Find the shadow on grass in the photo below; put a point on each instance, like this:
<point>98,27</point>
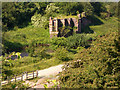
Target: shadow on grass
<point>10,46</point>
<point>73,51</point>
<point>86,29</point>
<point>67,59</point>
<point>94,21</point>
<point>7,73</point>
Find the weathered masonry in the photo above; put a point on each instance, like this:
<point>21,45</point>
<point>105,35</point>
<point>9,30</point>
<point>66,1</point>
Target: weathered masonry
<point>55,23</point>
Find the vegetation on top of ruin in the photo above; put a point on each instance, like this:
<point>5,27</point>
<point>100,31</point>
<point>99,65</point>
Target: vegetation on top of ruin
<point>66,17</point>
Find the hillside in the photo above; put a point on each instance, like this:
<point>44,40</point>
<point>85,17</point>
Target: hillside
<point>93,54</point>
<point>98,67</point>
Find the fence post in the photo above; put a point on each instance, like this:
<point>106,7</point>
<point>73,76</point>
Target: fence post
<point>15,78</point>
<point>26,75</point>
<point>22,77</point>
<point>8,79</point>
<point>37,73</point>
<point>33,74</point>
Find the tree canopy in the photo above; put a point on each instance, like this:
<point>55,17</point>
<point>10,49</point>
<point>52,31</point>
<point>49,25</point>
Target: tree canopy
<point>18,14</point>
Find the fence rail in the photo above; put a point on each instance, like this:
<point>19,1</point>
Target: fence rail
<point>30,75</point>
<point>23,77</point>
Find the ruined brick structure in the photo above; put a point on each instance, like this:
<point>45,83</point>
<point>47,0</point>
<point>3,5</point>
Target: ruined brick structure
<point>55,23</point>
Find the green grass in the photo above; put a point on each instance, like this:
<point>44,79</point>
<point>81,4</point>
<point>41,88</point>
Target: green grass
<point>13,85</point>
<point>28,64</point>
<point>100,27</point>
<point>27,35</point>
<point>108,25</point>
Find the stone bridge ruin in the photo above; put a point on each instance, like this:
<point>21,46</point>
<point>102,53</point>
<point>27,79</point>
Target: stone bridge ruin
<point>55,24</point>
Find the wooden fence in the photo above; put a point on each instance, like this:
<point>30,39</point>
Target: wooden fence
<point>22,77</point>
<point>34,74</point>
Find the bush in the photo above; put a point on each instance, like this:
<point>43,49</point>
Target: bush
<point>103,15</point>
<point>60,41</point>
<point>65,31</point>
<point>41,53</point>
<point>39,21</point>
<point>78,40</point>
<point>62,54</point>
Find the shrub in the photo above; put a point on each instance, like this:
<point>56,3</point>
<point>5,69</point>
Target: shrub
<point>65,31</point>
<point>30,50</point>
<point>78,40</point>
<point>39,21</point>
<point>60,41</point>
<point>62,54</point>
<point>103,15</point>
<point>41,53</point>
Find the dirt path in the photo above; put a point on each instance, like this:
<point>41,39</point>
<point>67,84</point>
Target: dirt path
<point>49,73</point>
<point>45,73</point>
<point>54,70</point>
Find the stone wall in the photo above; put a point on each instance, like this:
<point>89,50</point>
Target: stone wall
<point>55,24</point>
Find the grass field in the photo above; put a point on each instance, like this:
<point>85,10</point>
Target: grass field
<point>108,25</point>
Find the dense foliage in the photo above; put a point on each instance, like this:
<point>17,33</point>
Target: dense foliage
<point>74,41</point>
<point>18,14</point>
<point>99,66</point>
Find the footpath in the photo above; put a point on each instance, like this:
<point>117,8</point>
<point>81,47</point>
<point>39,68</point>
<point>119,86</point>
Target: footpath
<point>42,74</point>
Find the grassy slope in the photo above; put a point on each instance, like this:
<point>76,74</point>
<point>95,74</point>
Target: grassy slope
<point>27,35</point>
<point>108,25</point>
<point>30,34</point>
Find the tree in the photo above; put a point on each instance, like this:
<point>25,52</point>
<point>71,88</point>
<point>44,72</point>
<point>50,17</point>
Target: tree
<point>51,10</point>
<point>69,8</point>
<point>98,7</point>
<point>18,13</point>
<point>88,8</point>
<point>39,21</point>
